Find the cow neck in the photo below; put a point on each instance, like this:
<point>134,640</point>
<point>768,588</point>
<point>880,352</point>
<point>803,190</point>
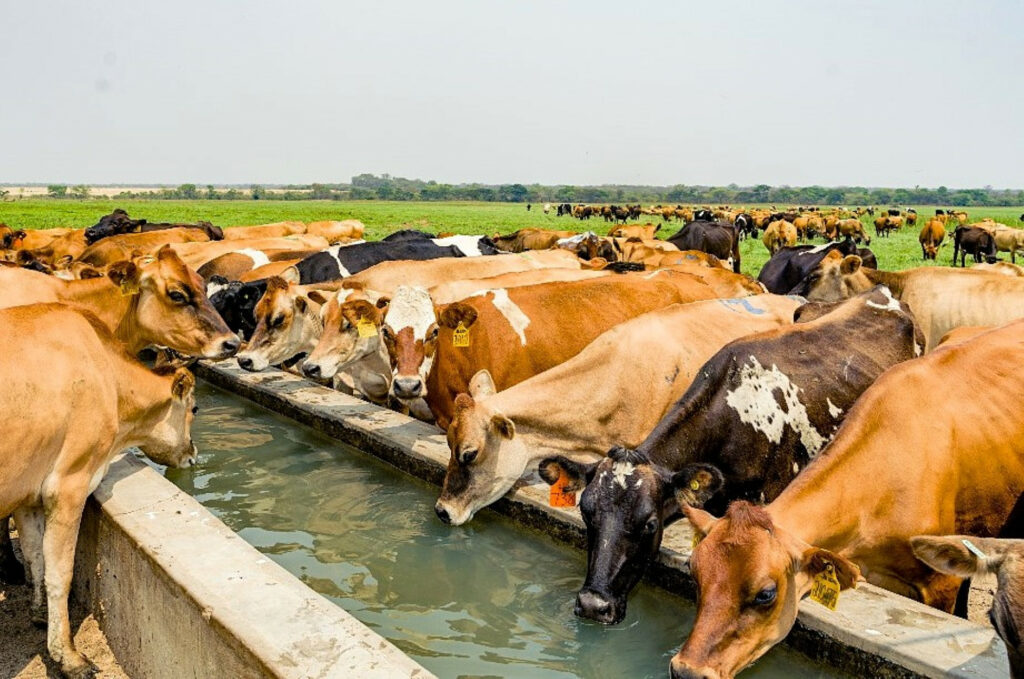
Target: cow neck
<point>682,433</point>
<point>141,395</point>
<point>106,301</point>
<point>894,280</point>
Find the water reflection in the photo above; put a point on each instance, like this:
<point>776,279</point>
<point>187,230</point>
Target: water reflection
<point>486,600</point>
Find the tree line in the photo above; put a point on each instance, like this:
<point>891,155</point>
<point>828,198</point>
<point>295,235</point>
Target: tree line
<point>386,187</point>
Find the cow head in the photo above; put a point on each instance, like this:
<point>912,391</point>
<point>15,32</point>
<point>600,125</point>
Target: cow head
<point>170,307</point>
<point>114,224</point>
<point>952,555</point>
<point>351,333</point>
<point>627,501</point>
<point>168,439</point>
<point>410,332</point>
<point>287,324</point>
<point>751,576</point>
<point>236,302</point>
<point>835,278</point>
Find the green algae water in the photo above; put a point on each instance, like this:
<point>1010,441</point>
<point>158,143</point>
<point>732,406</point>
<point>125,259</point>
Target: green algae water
<point>490,599</point>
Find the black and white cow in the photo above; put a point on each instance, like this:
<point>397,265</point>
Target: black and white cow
<point>790,265</point>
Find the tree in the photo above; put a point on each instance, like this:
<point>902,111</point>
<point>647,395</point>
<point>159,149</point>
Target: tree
<point>257,191</point>
<point>320,192</point>
<point>57,190</point>
<point>515,193</point>
<point>211,193</point>
<point>188,191</point>
<point>80,191</point>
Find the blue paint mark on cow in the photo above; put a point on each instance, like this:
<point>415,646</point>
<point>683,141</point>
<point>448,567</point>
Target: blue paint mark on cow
<point>731,304</point>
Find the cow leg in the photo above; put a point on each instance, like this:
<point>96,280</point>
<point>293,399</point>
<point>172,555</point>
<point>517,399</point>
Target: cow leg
<point>11,570</point>
<point>30,530</point>
<point>59,541</point>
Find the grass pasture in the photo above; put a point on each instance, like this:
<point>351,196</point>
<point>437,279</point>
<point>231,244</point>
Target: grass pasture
<point>900,251</point>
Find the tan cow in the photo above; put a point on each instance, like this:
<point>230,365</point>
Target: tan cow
<point>642,231</point>
<point>853,510</point>
<point>941,298</point>
<point>197,254</point>
<point>931,237</point>
<point>530,239</point>
<point>233,264</point>
<point>126,246</point>
<point>80,400</point>
<point>453,291</point>
<point>1008,240</point>
<point>288,323</point>
<point>580,407</point>
<point>514,333</point>
<point>854,228</point>
<point>337,232</point>
<point>274,230</point>
<point>779,234</point>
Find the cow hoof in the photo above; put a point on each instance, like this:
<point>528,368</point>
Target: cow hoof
<point>39,617</point>
<point>84,671</point>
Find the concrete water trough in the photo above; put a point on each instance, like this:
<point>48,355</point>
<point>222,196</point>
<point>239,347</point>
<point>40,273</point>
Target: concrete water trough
<point>873,632</point>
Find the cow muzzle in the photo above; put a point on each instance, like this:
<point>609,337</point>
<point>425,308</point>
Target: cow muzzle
<point>407,388</point>
<point>598,607</point>
<point>680,670</point>
<point>226,348</point>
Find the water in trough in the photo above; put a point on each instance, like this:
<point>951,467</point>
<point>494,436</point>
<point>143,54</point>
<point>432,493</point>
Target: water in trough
<point>490,599</point>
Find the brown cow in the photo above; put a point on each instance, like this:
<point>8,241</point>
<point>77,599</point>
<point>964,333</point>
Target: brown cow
<point>931,238</point>
<point>852,510</point>
<point>530,239</point>
<point>116,248</point>
<point>854,228</point>
<point>197,254</point>
<point>275,230</point>
<point>644,232</point>
<point>779,234</point>
<point>514,333</point>
<point>337,232</point>
<point>80,400</point>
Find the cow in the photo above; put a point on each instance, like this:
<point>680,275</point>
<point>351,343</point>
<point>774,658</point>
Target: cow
<point>1004,268</point>
<point>614,407</point>
<point>703,215</point>
<point>941,299</point>
<point>275,230</point>
<point>965,556</point>
<point>931,237</point>
<point>196,255</point>
<point>236,303</point>
<point>455,290</point>
<point>233,265</point>
<point>288,325</point>
<point>716,238</point>
<point>893,212</point>
<point>118,222</point>
<point>645,232</point>
<point>115,248</point>
<point>1008,240</point>
<point>530,239</point>
<point>779,234</point>
<point>745,225</point>
<point>850,513</point>
<point>759,411</point>
<point>790,265</point>
<point>514,333</point>
<point>853,228</point>
<point>884,225</point>
<point>337,231</point>
<point>91,402</point>
<point>974,241</point>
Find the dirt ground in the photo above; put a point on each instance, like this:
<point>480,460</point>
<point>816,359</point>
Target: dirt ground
<point>23,645</point>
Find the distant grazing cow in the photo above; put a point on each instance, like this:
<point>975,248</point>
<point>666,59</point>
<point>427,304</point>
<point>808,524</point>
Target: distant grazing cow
<point>853,228</point>
<point>931,237</point>
<point>974,241</point>
<point>745,225</point>
<point>1008,240</point>
<point>788,266</point>
<point>893,212</point>
<point>965,556</point>
<point>716,238</point>
<point>779,234</point>
<point>703,215</point>
<point>760,410</point>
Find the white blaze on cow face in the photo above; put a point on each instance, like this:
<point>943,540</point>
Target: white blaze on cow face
<point>512,313</point>
<point>469,245</point>
<point>258,257</point>
<point>622,471</point>
<point>410,331</point>
<point>754,400</point>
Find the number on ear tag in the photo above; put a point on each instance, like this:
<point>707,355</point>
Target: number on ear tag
<point>825,589</point>
<point>365,328</point>
<point>559,495</point>
<point>460,336</point>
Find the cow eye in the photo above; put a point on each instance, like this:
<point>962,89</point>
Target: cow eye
<point>433,333</point>
<point>766,596</point>
<point>177,297</point>
<point>195,409</point>
<point>651,526</point>
<point>469,455</point>
<point>277,322</point>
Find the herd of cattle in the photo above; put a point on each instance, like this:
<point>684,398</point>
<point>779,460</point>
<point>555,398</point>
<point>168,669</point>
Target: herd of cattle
<point>829,422</point>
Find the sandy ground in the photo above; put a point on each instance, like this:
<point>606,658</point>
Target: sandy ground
<point>23,646</point>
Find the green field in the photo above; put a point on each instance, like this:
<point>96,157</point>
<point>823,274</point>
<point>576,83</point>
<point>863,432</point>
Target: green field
<point>900,251</point>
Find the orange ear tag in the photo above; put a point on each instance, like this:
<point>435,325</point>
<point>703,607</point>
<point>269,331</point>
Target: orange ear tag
<point>460,336</point>
<point>365,328</point>
<point>559,496</point>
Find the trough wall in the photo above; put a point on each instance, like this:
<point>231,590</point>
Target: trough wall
<point>872,633</point>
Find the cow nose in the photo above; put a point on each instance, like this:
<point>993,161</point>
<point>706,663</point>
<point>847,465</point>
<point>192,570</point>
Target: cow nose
<point>593,606</point>
<point>408,387</point>
<point>311,370</point>
<point>680,670</point>
<point>245,363</point>
<point>229,347</point>
<point>442,513</point>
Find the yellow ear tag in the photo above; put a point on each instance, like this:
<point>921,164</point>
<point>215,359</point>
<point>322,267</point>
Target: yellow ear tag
<point>695,485</point>
<point>825,589</point>
<point>129,287</point>
<point>695,541</point>
<point>365,328</point>
<point>460,336</point>
<point>559,495</point>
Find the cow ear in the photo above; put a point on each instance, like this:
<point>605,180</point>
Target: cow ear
<point>695,484</point>
<point>63,262</point>
<point>291,275</point>
<point>124,274</point>
<point>657,228</point>
<point>452,314</point>
<point>317,296</point>
<point>88,272</point>
<point>816,561</point>
<point>482,385</point>
<point>182,384</point>
<point>950,554</point>
<point>579,473</point>
<point>301,305</point>
<point>503,426</point>
<point>383,302</point>
<point>701,521</point>
<point>464,402</point>
<point>850,265</point>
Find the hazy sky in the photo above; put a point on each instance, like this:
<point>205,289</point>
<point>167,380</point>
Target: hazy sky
<point>867,93</point>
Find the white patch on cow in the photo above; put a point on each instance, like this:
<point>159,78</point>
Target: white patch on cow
<point>258,257</point>
<point>512,313</point>
<point>64,275</point>
<point>574,240</point>
<point>796,468</point>
<point>622,471</point>
<point>755,402</point>
<point>728,263</point>
<point>469,245</point>
<point>892,305</point>
<point>917,349</point>
<point>411,307</point>
<point>333,252</point>
<point>213,288</point>
<point>343,295</point>
<point>833,410</point>
<point>639,482</point>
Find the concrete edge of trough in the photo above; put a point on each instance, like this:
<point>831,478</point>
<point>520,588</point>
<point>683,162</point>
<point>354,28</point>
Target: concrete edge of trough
<point>178,593</point>
<point>872,633</point>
